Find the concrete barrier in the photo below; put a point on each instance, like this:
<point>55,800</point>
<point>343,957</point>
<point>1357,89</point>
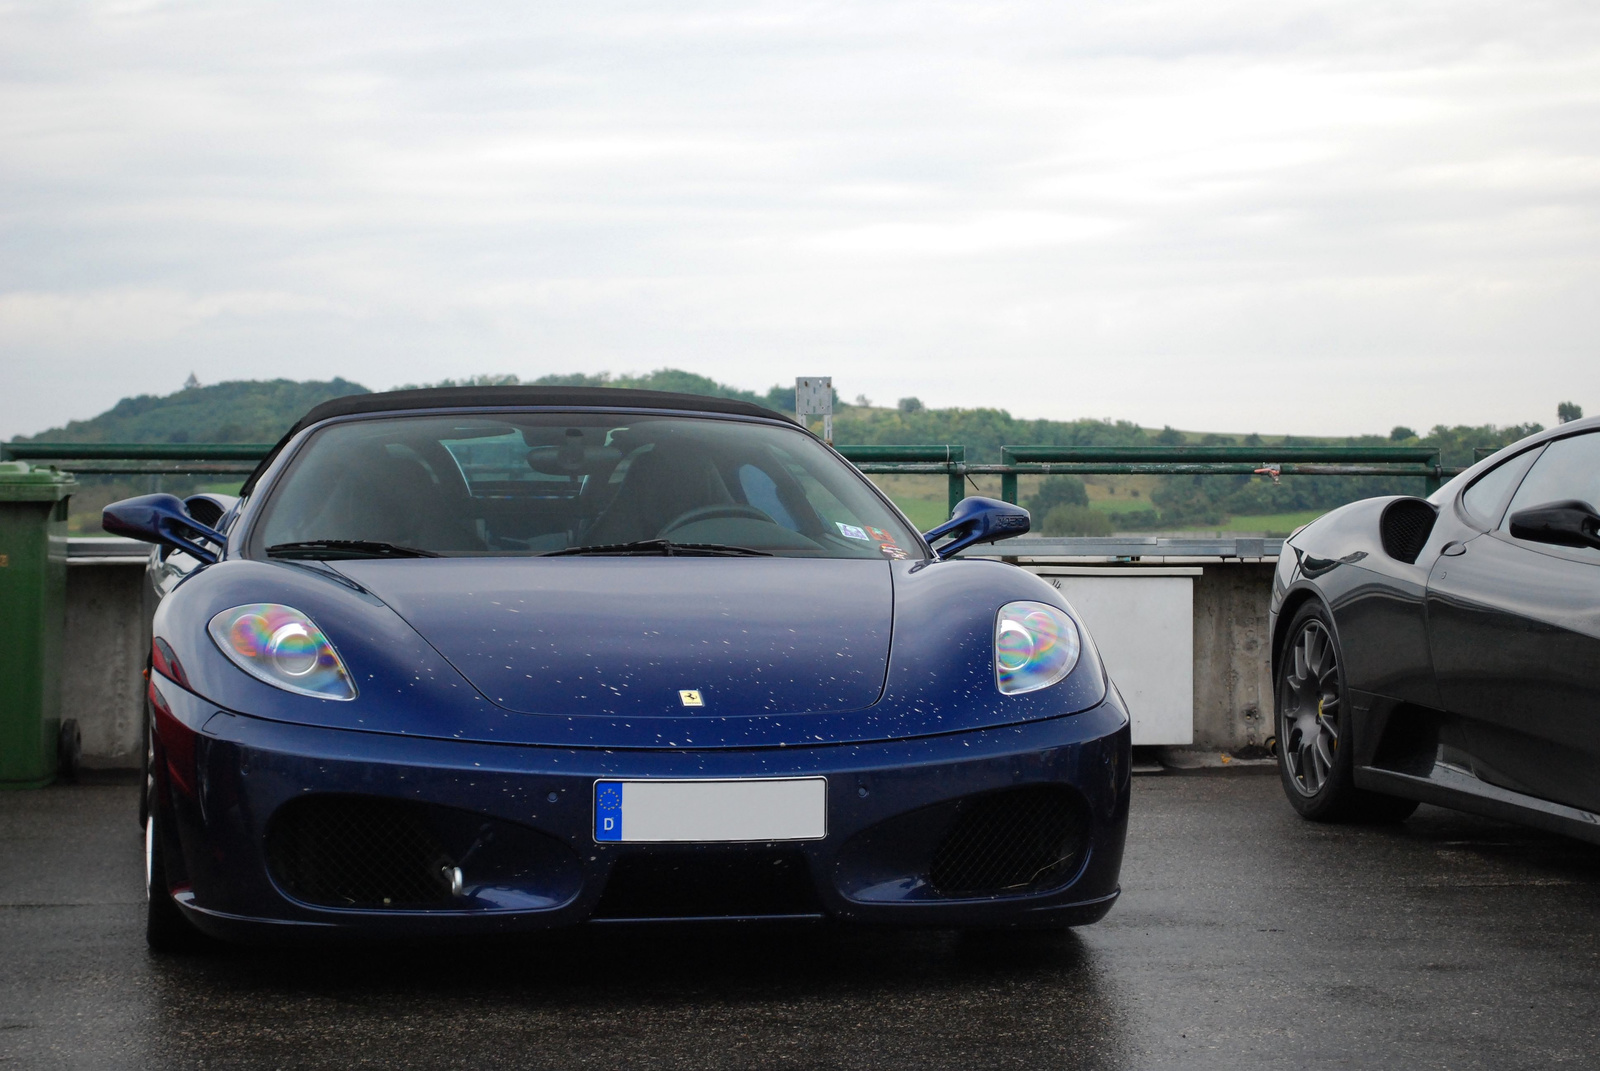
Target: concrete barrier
<point>1226,705</point>
<point>106,646</point>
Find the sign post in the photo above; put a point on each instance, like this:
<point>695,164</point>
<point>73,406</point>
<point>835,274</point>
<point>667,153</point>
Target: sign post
<point>813,396</point>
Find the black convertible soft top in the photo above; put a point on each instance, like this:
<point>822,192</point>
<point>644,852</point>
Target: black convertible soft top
<point>478,397</point>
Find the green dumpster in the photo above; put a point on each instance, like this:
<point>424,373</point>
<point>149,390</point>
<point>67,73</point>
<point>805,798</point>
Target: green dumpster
<point>33,605</point>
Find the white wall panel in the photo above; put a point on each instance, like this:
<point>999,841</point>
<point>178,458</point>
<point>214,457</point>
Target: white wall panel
<point>1142,619</point>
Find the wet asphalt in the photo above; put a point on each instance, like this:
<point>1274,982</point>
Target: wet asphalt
<point>1245,938</point>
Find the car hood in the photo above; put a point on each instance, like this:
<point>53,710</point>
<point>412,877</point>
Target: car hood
<point>626,637</point>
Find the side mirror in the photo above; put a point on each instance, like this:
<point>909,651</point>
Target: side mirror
<point>1572,523</point>
<point>979,520</point>
<point>161,519</point>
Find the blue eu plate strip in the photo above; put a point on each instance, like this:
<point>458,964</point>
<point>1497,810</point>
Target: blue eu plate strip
<point>608,810</point>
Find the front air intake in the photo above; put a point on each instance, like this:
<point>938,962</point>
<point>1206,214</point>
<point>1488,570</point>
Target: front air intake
<point>1015,841</point>
<point>355,851</point>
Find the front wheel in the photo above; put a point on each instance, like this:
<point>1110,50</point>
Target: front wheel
<point>1315,754</point>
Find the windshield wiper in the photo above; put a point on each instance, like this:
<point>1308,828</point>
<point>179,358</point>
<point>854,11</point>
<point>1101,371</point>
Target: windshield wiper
<point>346,548</point>
<point>666,548</point>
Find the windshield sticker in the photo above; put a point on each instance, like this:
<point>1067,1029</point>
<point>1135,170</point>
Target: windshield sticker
<point>879,535</point>
<point>891,551</point>
<point>850,531</point>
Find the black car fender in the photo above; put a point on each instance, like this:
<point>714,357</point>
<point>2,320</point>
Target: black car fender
<point>1368,563</point>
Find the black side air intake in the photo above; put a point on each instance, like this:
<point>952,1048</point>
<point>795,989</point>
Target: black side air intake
<point>378,853</point>
<point>1404,528</point>
<point>1015,841</point>
<point>353,851</point>
<point>203,510</point>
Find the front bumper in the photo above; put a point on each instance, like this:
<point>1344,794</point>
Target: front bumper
<point>887,803</point>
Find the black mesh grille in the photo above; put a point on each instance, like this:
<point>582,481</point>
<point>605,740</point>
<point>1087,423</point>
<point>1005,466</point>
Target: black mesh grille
<point>1014,841</point>
<point>709,883</point>
<point>352,851</point>
<point>1405,527</point>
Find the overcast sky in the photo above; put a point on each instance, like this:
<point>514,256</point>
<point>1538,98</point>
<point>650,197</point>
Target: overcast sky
<point>1274,216</point>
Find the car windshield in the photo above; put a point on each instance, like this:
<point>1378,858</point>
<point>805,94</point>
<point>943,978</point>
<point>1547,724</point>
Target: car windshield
<point>526,483</point>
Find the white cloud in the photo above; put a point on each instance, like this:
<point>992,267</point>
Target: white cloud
<point>1318,217</point>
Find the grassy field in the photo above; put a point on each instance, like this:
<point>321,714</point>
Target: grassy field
<point>1271,525</point>
<point>1120,505</point>
<point>924,513</point>
<point>1274,524</point>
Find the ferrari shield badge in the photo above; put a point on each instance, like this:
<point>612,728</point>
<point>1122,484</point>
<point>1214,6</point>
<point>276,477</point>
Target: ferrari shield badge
<point>691,697</point>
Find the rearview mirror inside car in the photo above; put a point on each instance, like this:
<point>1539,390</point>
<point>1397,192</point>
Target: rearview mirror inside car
<point>1572,523</point>
<point>979,520</point>
<point>161,519</point>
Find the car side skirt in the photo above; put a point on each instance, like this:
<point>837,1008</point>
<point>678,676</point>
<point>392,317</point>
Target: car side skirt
<point>1447,786</point>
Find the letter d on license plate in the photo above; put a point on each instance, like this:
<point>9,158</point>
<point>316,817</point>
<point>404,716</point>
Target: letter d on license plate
<point>789,808</point>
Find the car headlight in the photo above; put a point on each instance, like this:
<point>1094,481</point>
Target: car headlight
<point>1035,646</point>
<point>283,647</point>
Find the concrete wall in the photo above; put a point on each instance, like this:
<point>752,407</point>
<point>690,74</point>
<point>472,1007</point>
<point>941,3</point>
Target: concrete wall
<point>103,686</point>
<point>1232,655</point>
<point>102,681</point>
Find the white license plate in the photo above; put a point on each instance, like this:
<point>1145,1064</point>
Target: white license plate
<point>789,808</point>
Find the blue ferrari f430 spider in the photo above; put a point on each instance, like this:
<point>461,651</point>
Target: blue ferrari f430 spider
<point>481,660</point>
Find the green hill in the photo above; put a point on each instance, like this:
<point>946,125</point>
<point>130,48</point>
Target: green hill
<point>243,411</point>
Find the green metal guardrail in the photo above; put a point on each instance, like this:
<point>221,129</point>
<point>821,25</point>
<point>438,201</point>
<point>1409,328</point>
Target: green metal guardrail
<point>936,459</point>
<point>1272,461</point>
<point>109,459</point>
<point>911,460</point>
<point>950,461</point>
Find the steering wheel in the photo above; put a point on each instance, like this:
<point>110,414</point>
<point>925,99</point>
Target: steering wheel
<point>708,513</point>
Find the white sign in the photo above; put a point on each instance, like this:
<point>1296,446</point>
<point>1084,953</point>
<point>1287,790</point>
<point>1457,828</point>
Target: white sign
<point>813,396</point>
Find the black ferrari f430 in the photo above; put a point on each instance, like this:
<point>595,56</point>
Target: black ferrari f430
<point>1447,650</point>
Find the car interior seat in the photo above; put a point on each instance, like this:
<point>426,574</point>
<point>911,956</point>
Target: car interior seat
<point>661,485</point>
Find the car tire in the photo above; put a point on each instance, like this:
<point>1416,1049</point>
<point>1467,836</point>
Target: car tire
<point>165,928</point>
<point>1316,757</point>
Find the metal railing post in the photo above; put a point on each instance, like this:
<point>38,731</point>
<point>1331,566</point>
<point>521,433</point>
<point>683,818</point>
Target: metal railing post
<point>956,481</point>
<point>944,459</point>
<point>1008,480</point>
<point>1430,484</point>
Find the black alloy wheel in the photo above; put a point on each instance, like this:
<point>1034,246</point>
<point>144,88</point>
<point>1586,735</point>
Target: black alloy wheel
<point>1309,701</point>
<point>1315,756</point>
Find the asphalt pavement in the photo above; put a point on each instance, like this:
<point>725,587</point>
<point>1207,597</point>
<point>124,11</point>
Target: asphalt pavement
<point>1245,937</point>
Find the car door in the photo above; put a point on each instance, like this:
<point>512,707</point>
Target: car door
<point>1514,628</point>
